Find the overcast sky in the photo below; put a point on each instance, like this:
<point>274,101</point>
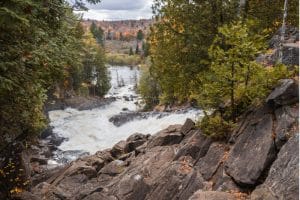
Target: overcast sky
<point>119,9</point>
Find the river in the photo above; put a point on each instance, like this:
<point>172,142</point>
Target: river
<point>91,131</point>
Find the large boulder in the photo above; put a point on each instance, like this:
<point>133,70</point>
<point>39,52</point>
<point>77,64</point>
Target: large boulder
<point>290,52</point>
<point>179,181</point>
<point>195,146</point>
<point>256,139</point>
<point>187,126</point>
<point>222,182</point>
<point>168,136</point>
<point>135,141</point>
<point>209,164</point>
<point>132,187</point>
<point>118,149</point>
<point>283,178</point>
<point>113,168</point>
<point>287,121</point>
<point>285,94</point>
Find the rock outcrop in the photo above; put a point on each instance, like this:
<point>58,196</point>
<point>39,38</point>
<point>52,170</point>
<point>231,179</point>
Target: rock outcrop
<point>180,163</point>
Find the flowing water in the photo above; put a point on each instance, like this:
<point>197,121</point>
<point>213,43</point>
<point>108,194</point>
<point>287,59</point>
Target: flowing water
<point>91,131</point>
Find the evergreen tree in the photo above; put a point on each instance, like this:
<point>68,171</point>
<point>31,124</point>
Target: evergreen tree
<point>233,66</point>
<point>98,33</point>
<point>140,35</point>
<point>179,42</point>
<point>146,48</point>
<point>95,72</point>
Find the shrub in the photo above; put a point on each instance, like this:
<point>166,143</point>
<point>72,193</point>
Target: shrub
<point>216,127</point>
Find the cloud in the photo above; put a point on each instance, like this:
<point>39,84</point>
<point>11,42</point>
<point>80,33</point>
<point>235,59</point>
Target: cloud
<point>119,9</point>
<point>119,5</point>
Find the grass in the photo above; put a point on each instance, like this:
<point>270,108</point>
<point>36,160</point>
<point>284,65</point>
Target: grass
<point>123,59</point>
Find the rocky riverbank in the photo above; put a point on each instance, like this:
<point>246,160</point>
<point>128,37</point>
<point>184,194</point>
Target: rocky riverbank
<point>260,161</point>
<point>77,102</point>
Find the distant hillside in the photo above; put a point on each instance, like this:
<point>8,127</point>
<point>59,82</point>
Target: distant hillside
<point>124,28</point>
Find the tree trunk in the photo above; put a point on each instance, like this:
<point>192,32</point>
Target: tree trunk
<point>283,30</point>
<point>232,94</point>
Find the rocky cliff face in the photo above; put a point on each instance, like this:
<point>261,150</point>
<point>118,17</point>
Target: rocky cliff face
<point>260,162</point>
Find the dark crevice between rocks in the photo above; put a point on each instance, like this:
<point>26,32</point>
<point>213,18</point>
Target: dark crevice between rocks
<point>245,188</point>
<point>274,132</point>
<point>202,155</point>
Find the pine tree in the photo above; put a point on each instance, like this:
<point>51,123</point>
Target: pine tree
<point>233,68</point>
<point>98,33</point>
<point>140,35</point>
<point>179,42</point>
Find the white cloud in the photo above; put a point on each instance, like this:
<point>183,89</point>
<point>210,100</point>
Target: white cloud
<point>119,9</point>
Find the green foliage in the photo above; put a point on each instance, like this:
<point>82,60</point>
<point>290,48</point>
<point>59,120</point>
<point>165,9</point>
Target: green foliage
<point>123,59</point>
<point>269,13</point>
<point>149,89</point>
<point>234,78</point>
<point>95,73</point>
<point>234,71</point>
<point>180,39</point>
<point>140,35</point>
<point>185,30</point>
<point>146,48</point>
<point>35,48</point>
<point>216,127</point>
<point>41,47</point>
<point>98,33</point>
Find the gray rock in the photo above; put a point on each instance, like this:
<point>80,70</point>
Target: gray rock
<point>287,118</point>
<point>212,195</point>
<point>179,181</point>
<point>290,53</point>
<point>222,182</point>
<point>169,136</point>
<point>113,168</point>
<point>105,155</point>
<point>122,118</point>
<point>135,141</point>
<point>118,149</point>
<point>187,126</point>
<point>283,178</point>
<point>132,187</point>
<point>253,152</point>
<point>209,164</point>
<point>287,93</point>
<point>95,161</point>
<point>195,146</point>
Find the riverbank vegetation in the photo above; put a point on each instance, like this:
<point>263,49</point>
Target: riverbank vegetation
<point>206,51</point>
<point>43,48</point>
<point>123,59</point>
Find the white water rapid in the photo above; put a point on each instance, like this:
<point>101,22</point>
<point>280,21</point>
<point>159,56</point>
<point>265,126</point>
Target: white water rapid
<point>91,131</point>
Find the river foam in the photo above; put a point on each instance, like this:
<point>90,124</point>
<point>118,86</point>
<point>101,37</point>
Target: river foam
<point>91,131</point>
